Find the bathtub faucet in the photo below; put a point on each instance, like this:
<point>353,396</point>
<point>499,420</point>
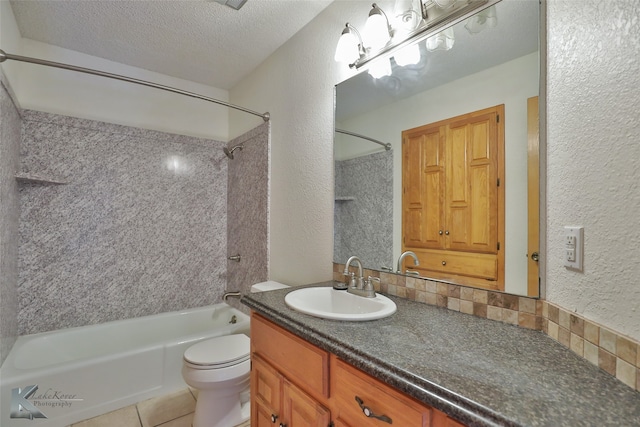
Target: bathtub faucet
<point>228,294</point>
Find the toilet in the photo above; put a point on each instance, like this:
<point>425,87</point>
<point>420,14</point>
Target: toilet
<point>219,368</point>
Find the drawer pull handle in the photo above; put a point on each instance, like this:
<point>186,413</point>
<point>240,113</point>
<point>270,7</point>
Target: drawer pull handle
<point>369,413</point>
<point>283,425</point>
<point>444,262</point>
<point>274,417</point>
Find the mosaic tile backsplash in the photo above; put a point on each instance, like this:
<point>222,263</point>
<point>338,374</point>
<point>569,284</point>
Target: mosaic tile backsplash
<point>612,352</point>
<point>138,228</point>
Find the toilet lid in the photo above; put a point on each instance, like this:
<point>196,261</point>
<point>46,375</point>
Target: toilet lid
<point>219,352</point>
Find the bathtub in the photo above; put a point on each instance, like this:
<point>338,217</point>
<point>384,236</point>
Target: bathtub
<point>91,370</point>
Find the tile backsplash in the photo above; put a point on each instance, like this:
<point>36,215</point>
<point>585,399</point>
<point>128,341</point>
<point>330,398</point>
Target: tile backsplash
<point>612,352</point>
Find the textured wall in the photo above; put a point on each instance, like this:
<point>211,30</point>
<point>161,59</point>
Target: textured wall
<point>295,85</point>
<point>139,229</point>
<point>248,215</point>
<point>364,225</point>
<point>593,154</point>
<point>10,123</point>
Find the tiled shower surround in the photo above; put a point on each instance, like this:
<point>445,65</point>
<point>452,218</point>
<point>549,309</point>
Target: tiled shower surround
<point>363,213</point>
<point>9,217</point>
<point>247,212</point>
<point>614,353</point>
<point>138,227</point>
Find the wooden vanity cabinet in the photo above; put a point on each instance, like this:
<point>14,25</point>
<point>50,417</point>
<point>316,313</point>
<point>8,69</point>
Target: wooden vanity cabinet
<point>289,379</point>
<point>291,387</point>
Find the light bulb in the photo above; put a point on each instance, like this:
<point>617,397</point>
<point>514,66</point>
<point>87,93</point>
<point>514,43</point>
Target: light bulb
<point>406,16</point>
<point>380,68</point>
<point>347,49</point>
<point>376,30</point>
<point>408,56</point>
<point>444,40</point>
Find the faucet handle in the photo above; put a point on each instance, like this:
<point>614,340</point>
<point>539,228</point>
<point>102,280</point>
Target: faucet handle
<point>352,280</point>
<point>371,282</point>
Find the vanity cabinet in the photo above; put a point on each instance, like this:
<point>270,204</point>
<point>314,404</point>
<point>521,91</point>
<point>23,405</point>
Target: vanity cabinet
<point>453,200</point>
<point>357,394</point>
<point>289,379</point>
<point>296,384</point>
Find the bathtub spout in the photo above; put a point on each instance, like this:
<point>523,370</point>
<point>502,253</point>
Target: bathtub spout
<point>235,294</point>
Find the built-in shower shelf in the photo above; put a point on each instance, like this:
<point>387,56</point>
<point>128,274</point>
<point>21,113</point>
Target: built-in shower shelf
<point>29,178</point>
<point>345,199</point>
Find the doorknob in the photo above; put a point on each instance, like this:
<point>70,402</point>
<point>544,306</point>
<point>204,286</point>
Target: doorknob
<point>535,256</point>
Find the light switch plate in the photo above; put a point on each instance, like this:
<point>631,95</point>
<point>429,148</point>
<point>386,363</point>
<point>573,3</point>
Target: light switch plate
<point>574,247</point>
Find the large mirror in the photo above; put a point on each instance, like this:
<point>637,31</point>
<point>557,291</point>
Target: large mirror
<point>487,66</point>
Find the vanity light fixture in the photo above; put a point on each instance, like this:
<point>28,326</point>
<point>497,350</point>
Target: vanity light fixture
<point>377,30</point>
<point>350,46</point>
<point>381,40</point>
<point>381,68</point>
<point>408,56</point>
<point>444,40</point>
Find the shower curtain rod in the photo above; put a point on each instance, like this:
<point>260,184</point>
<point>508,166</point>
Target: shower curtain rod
<point>386,146</point>
<point>4,56</point>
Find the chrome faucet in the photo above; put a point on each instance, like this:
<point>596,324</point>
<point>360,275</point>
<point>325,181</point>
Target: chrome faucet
<point>357,285</point>
<point>402,257</point>
<point>355,282</point>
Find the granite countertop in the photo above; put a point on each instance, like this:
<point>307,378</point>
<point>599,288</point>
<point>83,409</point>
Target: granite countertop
<point>478,371</point>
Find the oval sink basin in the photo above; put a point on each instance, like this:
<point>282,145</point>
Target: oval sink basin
<point>327,303</point>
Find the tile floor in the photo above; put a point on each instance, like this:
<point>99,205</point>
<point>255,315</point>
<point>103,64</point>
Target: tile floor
<point>173,410</point>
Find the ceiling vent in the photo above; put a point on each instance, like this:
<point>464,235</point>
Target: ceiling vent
<point>235,4</point>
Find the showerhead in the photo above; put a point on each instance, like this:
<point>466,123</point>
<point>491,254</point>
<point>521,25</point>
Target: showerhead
<point>229,153</point>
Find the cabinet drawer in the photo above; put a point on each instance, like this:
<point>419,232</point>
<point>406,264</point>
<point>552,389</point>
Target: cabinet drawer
<point>379,398</point>
<point>460,263</point>
<point>306,364</point>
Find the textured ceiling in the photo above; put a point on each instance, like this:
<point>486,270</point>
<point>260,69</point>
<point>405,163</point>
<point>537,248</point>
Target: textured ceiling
<point>197,40</point>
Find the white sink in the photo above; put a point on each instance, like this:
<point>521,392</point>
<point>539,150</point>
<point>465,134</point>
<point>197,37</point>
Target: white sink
<point>328,303</point>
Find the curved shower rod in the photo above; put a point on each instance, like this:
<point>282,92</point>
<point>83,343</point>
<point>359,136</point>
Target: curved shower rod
<point>386,145</point>
<point>4,56</point>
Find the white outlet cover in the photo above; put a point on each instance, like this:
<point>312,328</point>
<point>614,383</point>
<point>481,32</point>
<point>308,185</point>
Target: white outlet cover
<point>574,245</point>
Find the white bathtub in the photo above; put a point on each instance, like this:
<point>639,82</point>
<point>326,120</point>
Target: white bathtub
<point>90,370</point>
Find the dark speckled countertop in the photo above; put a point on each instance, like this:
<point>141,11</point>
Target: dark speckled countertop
<point>478,371</point>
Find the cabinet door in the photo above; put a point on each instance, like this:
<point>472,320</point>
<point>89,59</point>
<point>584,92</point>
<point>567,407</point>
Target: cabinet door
<point>423,183</point>
<point>266,394</point>
<point>300,410</point>
<point>472,184</point>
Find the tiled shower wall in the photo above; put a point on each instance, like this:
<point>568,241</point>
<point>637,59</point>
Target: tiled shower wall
<point>9,216</point>
<point>139,228</point>
<point>363,215</point>
<point>248,211</point>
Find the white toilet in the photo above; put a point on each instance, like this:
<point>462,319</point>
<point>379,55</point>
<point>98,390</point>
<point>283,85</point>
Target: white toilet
<point>219,369</point>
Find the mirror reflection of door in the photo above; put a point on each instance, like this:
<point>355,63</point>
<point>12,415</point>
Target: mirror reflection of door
<point>453,198</point>
<point>533,197</point>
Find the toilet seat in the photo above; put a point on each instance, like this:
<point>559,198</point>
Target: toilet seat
<point>217,353</point>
